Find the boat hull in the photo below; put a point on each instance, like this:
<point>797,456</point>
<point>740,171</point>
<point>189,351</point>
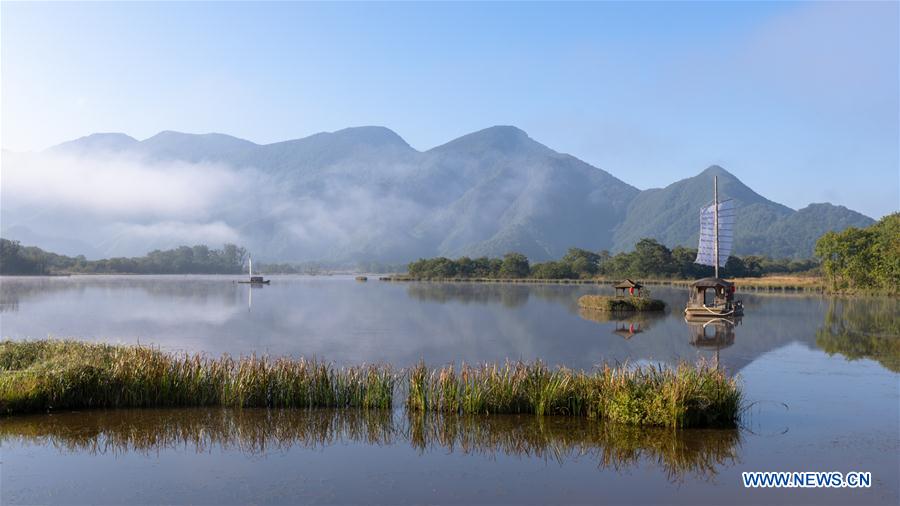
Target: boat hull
<point>704,312</point>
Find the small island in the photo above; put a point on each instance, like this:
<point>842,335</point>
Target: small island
<point>629,297</point>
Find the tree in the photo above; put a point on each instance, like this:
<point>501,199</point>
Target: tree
<point>553,270</point>
<point>863,258</point>
<point>515,265</point>
<point>652,259</point>
<point>583,262</point>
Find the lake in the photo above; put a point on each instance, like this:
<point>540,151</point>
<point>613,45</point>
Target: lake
<point>821,378</point>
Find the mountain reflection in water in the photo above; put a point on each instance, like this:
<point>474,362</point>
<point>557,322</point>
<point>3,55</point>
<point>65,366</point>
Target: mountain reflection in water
<point>696,453</point>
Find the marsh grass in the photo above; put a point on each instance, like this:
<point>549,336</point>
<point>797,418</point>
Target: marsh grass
<point>608,303</point>
<point>686,396</point>
<point>53,374</point>
<point>57,374</point>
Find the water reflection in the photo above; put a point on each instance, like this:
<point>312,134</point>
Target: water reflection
<point>508,295</point>
<point>209,291</point>
<point>863,328</point>
<point>713,334</point>
<point>700,453</point>
<point>696,453</point>
<point>348,322</point>
<point>624,324</point>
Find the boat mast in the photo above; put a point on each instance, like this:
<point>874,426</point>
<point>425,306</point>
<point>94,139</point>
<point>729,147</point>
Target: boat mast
<point>250,260</point>
<point>716,221</point>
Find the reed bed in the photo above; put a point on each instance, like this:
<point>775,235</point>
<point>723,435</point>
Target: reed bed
<point>53,374</point>
<point>58,374</point>
<point>609,303</point>
<point>686,396</point>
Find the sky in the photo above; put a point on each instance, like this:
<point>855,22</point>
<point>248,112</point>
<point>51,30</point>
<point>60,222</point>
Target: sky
<point>801,101</point>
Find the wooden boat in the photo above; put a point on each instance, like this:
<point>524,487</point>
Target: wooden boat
<point>714,297</point>
<point>255,280</point>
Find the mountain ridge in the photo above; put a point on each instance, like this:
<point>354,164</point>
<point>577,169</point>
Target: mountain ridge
<point>363,193</point>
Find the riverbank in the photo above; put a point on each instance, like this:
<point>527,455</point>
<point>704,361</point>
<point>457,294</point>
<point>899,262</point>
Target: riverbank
<point>50,375</point>
<point>767,283</point>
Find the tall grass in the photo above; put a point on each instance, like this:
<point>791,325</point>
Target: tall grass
<point>51,374</point>
<point>608,303</point>
<point>686,396</point>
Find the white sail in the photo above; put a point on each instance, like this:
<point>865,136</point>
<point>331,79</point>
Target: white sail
<point>706,251</point>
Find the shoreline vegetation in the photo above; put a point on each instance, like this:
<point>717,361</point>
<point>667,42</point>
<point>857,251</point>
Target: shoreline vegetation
<point>854,262</point>
<point>48,375</point>
<point>623,304</point>
<point>768,283</point>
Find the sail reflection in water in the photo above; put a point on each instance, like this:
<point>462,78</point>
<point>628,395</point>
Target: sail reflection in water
<point>699,453</point>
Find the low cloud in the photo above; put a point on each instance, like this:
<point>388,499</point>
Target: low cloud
<point>125,205</point>
<point>217,232</point>
<point>115,185</point>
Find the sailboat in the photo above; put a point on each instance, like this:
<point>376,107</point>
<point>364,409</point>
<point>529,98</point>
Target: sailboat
<point>714,297</point>
<point>255,280</point>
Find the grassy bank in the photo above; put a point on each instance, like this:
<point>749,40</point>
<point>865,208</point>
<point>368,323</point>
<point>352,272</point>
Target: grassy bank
<point>562,281</point>
<point>687,396</point>
<point>52,375</point>
<point>607,303</point>
<point>765,283</point>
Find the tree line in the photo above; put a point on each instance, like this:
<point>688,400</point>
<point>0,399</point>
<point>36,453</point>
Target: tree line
<point>200,259</point>
<point>863,259</point>
<point>649,259</point>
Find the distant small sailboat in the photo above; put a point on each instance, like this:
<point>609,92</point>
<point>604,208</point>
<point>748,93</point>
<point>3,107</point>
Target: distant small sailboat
<point>716,234</point>
<point>255,280</point>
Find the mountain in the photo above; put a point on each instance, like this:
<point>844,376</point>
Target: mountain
<point>799,231</point>
<point>193,148</point>
<point>96,143</point>
<point>364,194</point>
<point>762,227</point>
<point>510,193</point>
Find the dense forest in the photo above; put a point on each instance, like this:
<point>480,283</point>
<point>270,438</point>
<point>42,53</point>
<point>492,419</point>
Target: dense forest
<point>29,260</point>
<point>863,259</point>
<point>649,259</point>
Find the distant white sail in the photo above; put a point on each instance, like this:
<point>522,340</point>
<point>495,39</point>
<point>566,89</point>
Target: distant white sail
<point>706,251</point>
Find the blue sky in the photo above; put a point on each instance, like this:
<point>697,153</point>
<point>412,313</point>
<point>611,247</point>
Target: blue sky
<point>798,100</point>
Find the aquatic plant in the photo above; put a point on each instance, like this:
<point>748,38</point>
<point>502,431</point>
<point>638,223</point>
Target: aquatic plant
<point>685,396</point>
<point>608,303</point>
<point>58,374</point>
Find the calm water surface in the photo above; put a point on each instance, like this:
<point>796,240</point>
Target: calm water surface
<point>821,376</point>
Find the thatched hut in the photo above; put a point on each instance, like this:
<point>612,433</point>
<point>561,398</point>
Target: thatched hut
<point>628,287</point>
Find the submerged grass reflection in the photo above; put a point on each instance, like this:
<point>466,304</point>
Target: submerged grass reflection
<point>701,453</point>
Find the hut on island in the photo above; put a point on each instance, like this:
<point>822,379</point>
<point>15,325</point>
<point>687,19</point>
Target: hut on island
<point>628,288</point>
